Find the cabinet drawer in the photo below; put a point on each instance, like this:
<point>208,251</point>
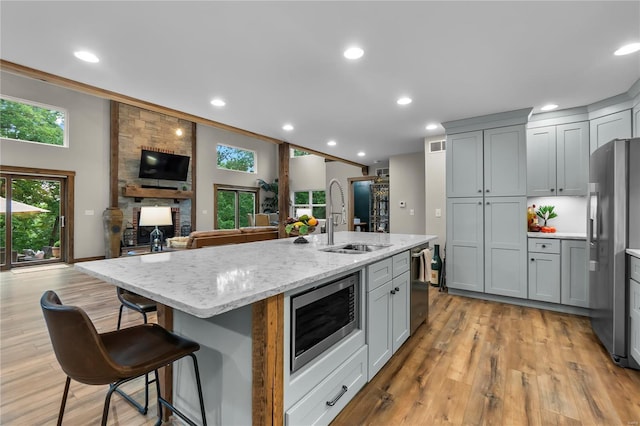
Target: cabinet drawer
<point>379,273</point>
<point>314,408</point>
<point>634,268</point>
<point>544,245</point>
<point>401,263</point>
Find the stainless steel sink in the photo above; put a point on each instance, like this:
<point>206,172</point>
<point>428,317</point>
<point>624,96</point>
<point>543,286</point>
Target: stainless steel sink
<point>355,248</point>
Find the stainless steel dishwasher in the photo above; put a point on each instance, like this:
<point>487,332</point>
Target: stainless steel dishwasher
<point>419,289</point>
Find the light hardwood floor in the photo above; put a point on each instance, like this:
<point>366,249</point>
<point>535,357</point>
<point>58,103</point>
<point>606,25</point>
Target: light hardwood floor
<point>476,362</point>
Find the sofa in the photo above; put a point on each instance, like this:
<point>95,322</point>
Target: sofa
<point>216,237</point>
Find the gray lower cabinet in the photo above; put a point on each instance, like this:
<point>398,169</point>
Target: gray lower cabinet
<point>608,127</point>
<point>387,309</point>
<point>574,279</point>
<point>544,269</point>
<point>465,244</point>
<point>634,308</point>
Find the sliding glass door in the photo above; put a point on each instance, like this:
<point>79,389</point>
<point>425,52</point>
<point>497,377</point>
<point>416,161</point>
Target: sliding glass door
<point>234,206</point>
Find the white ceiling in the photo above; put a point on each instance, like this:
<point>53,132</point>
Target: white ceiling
<point>277,62</point>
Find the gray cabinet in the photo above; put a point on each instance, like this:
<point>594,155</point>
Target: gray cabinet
<point>634,308</point>
<point>490,163</point>
<point>608,127</point>
<point>388,301</point>
<point>636,120</point>
<point>544,270</point>
<point>486,245</point>
<point>558,160</point>
<point>574,280</point>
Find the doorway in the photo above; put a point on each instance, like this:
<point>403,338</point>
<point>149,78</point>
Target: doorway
<point>32,218</point>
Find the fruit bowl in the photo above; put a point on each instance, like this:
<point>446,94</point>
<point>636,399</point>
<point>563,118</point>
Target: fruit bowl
<point>299,227</point>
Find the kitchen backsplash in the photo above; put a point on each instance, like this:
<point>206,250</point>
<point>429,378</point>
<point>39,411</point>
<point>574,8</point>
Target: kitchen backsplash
<point>571,211</point>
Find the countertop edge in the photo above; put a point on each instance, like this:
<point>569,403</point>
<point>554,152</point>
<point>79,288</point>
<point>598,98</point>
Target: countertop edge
<point>633,252</point>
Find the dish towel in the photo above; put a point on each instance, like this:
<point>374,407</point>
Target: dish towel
<point>425,265</point>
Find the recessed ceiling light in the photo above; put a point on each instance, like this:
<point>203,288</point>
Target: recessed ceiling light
<point>331,143</point>
<point>218,102</point>
<point>404,101</point>
<point>432,126</point>
<point>179,132</point>
<point>353,52</point>
<point>361,154</point>
<point>288,127</point>
<point>627,49</point>
<point>549,107</point>
<point>86,56</point>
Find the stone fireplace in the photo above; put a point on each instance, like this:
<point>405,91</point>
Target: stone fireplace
<point>141,233</point>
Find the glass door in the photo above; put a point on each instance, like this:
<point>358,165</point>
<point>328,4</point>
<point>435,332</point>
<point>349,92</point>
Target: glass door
<point>31,220</point>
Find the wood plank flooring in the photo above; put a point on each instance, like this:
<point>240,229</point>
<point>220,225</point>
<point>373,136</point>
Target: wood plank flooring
<point>477,362</point>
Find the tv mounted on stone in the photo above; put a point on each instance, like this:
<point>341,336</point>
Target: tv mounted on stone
<point>161,165</point>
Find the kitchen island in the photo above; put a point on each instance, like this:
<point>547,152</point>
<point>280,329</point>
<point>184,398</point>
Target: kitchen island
<point>231,300</point>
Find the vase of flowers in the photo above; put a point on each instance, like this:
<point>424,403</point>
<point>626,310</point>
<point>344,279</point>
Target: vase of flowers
<point>301,226</point>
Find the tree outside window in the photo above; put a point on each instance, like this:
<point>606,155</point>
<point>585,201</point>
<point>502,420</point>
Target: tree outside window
<point>236,159</point>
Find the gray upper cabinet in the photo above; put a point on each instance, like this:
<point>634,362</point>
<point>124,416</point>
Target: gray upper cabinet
<point>558,160</point>
<point>612,126</point>
<point>505,162</point>
<point>490,163</point>
<point>464,165</point>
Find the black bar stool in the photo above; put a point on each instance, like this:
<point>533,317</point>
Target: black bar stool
<point>113,358</point>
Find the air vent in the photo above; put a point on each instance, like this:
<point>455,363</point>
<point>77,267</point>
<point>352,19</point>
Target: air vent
<point>437,146</point>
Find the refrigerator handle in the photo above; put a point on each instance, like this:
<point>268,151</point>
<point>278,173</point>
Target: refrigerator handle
<point>592,225</point>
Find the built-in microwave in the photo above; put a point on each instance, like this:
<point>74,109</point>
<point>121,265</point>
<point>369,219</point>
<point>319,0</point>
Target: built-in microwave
<point>323,316</point>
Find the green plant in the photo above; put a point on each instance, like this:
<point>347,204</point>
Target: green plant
<point>270,202</point>
<point>545,213</point>
<point>56,244</point>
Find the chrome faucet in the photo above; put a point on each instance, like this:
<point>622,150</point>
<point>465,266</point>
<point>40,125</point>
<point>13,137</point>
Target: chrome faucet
<point>343,213</point>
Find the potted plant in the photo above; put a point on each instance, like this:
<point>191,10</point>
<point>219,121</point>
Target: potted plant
<point>545,213</point>
<point>55,250</point>
<point>270,202</point>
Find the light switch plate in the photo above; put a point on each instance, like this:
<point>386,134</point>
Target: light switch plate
<point>438,212</point>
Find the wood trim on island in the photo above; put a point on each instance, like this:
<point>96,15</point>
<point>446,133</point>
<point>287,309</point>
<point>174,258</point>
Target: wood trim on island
<point>267,360</point>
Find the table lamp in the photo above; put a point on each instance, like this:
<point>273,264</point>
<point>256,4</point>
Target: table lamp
<point>155,216</point>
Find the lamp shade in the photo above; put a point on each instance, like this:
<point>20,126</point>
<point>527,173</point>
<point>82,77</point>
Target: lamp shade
<point>155,216</point>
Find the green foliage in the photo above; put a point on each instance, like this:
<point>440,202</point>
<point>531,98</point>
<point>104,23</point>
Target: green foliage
<point>299,153</point>
<point>31,123</point>
<point>270,202</point>
<point>235,159</point>
<point>545,213</point>
<point>226,208</point>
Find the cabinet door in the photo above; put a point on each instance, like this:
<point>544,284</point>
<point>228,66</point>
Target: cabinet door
<point>465,244</point>
<point>612,126</point>
<point>541,161</point>
<point>575,284</point>
<point>505,162</point>
<point>379,327</point>
<point>634,313</point>
<point>400,310</point>
<point>573,158</point>
<point>636,121</point>
<point>505,243</point>
<point>464,164</point>
<point>544,277</point>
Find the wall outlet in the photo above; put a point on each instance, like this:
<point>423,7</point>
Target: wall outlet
<point>438,212</point>
<point>412,212</point>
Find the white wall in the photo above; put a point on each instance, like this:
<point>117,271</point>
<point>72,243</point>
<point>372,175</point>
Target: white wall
<point>208,174</point>
<point>342,172</point>
<point>435,190</point>
<point>407,183</point>
<point>571,211</point>
<point>87,154</point>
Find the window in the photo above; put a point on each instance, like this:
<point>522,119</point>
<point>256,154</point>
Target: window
<point>32,122</point>
<point>314,200</point>
<point>237,159</point>
<point>298,153</point>
<point>233,205</point>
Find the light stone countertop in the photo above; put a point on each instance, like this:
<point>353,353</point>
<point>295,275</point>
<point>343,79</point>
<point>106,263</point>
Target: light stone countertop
<point>634,252</point>
<point>558,235</point>
<point>211,280</point>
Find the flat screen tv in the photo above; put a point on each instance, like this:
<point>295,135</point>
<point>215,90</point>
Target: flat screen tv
<point>160,165</point>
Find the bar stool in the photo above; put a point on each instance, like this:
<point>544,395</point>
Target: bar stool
<point>113,358</point>
<point>135,302</point>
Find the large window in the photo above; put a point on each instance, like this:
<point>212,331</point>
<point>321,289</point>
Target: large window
<point>234,205</point>
<point>312,200</point>
<point>237,159</point>
<point>32,122</point>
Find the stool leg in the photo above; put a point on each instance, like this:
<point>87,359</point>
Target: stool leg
<point>107,401</point>
<point>197,371</point>
<point>159,395</point>
<point>144,315</point>
<point>64,400</point>
<point>119,317</point>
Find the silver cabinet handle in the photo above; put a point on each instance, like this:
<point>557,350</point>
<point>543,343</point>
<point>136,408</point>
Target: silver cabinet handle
<point>334,400</point>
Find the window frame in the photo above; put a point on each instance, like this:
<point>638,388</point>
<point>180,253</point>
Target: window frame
<point>255,159</point>
<point>65,129</point>
<point>311,204</point>
<point>237,190</point>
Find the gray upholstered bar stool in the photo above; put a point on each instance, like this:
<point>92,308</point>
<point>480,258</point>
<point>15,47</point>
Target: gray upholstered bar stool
<point>115,357</point>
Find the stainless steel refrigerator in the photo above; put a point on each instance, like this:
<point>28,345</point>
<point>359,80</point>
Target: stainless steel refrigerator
<point>613,208</point>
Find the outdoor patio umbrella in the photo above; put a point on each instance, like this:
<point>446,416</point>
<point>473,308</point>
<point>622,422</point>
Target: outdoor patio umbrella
<point>18,207</point>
